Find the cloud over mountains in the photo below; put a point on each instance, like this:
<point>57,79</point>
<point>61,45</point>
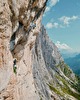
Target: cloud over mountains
<point>63,46</point>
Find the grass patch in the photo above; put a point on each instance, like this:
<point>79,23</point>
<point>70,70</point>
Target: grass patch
<point>66,88</point>
<point>77,85</point>
<point>55,90</point>
<point>64,68</point>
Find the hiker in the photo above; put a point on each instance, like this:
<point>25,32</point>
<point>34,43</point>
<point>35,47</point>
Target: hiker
<point>32,25</point>
<point>14,66</point>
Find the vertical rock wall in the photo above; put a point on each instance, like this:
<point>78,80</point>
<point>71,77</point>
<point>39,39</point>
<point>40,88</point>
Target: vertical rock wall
<point>16,41</point>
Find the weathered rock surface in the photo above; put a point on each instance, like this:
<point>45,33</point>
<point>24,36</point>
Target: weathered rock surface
<point>41,71</point>
<point>53,78</point>
<point>16,41</point>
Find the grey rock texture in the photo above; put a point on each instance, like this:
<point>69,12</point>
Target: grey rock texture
<point>16,41</point>
<point>41,71</point>
<point>49,70</point>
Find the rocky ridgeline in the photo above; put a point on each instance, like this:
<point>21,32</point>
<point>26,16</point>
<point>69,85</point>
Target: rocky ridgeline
<point>41,71</point>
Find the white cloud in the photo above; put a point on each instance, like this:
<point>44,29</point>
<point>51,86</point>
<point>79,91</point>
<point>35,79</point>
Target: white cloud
<point>53,2</point>
<point>55,25</point>
<point>47,9</point>
<point>49,25</point>
<point>74,17</point>
<point>63,46</point>
<point>52,25</point>
<point>66,20</point>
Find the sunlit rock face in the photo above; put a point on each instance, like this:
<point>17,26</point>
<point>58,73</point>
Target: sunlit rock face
<point>41,72</point>
<point>17,38</point>
<point>53,78</point>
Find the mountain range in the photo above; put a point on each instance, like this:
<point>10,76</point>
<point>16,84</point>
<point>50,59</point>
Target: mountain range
<point>74,63</point>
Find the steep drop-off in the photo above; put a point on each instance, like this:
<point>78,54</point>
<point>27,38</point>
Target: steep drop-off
<point>41,71</point>
<point>53,78</point>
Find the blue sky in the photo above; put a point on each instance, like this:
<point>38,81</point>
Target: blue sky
<point>62,21</point>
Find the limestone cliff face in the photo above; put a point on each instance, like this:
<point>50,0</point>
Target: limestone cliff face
<point>16,41</point>
<point>41,71</point>
<point>54,80</point>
